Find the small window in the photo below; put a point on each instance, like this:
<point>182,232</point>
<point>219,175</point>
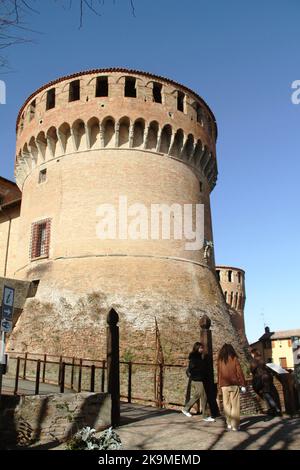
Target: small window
<point>201,186</point>
<point>225,294</point>
<point>33,288</point>
<point>50,103</point>
<point>229,276</point>
<point>218,274</point>
<point>21,123</point>
<point>157,87</point>
<point>199,113</point>
<point>102,86</point>
<point>40,239</point>
<point>43,176</point>
<point>130,89</point>
<point>239,277</point>
<point>180,101</point>
<point>74,90</point>
<point>32,110</point>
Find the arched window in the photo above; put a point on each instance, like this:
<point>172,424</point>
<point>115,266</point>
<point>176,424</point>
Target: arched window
<point>180,101</point>
<point>130,87</point>
<point>32,107</point>
<point>101,86</point>
<point>157,92</point>
<point>74,90</point>
<point>50,100</point>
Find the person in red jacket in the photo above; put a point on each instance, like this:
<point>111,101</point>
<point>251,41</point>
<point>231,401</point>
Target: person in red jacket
<point>230,379</point>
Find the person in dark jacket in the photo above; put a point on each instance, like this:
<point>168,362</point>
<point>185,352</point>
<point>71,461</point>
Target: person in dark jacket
<point>198,373</point>
<point>262,383</point>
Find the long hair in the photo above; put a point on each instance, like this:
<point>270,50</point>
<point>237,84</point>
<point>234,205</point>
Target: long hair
<point>226,351</point>
<point>196,347</point>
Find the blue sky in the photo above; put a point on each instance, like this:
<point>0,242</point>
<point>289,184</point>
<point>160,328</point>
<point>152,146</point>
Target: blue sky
<point>242,58</point>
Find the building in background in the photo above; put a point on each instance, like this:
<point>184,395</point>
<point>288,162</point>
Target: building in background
<point>10,206</point>
<point>280,347</point>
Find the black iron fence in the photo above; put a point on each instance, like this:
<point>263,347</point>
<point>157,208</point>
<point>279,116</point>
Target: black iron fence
<point>140,382</point>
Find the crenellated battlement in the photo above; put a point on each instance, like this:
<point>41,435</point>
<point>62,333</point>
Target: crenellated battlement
<point>116,108</point>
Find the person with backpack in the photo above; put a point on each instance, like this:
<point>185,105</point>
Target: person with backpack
<point>230,379</point>
<point>198,373</point>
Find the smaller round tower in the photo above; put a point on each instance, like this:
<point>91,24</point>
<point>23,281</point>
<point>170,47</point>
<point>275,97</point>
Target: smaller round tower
<point>232,282</point>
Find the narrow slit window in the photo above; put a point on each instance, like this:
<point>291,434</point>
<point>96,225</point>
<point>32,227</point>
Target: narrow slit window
<point>157,87</point>
<point>218,274</point>
<point>130,87</point>
<point>199,113</point>
<point>32,110</point>
<point>50,103</point>
<point>102,86</point>
<point>229,276</point>
<point>74,90</point>
<point>180,101</point>
<point>239,277</point>
<point>201,186</point>
<point>43,176</point>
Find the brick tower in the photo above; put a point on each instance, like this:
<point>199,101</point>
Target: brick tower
<point>88,139</point>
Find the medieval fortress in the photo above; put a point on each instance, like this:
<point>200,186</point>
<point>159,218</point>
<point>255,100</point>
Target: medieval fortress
<point>84,141</point>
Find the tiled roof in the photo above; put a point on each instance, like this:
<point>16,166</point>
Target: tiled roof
<point>285,334</point>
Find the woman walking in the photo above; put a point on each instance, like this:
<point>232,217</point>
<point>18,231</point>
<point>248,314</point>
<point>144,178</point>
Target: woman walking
<point>230,379</point>
<point>262,383</point>
<point>198,373</point>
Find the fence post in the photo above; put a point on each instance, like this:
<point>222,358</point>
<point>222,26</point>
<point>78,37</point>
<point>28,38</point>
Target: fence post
<point>25,365</point>
<point>62,377</point>
<point>17,376</point>
<point>103,376</point>
<point>129,381</point>
<point>59,370</point>
<point>44,368</point>
<point>206,340</point>
<point>79,375</point>
<point>72,373</point>
<point>92,378</point>
<point>37,377</point>
<point>113,365</point>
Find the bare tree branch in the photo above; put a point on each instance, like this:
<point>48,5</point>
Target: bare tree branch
<point>13,13</point>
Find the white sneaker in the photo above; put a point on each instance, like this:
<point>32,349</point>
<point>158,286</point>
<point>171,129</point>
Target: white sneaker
<point>209,419</point>
<point>186,413</point>
<point>229,426</point>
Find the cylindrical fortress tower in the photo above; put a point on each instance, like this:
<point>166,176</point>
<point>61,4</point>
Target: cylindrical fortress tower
<point>232,282</point>
<point>117,137</point>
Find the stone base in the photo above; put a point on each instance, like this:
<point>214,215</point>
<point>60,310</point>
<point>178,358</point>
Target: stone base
<point>45,419</point>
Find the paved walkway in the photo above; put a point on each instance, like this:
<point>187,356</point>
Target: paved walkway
<point>152,429</point>
<point>27,387</point>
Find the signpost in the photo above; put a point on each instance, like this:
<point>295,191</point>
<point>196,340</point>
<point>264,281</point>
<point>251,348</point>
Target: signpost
<point>6,324</point>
